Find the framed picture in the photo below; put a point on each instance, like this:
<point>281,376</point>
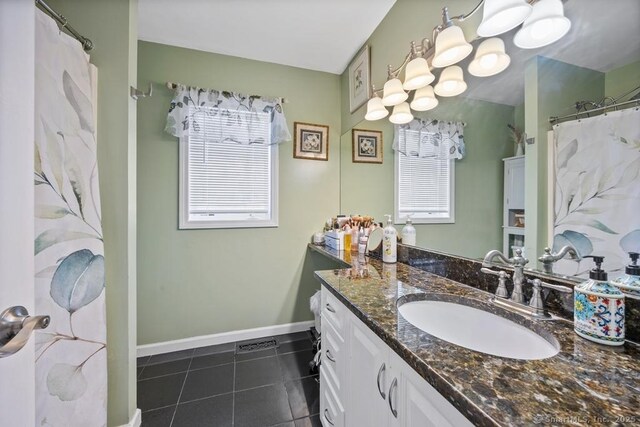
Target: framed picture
<point>367,146</point>
<point>310,141</point>
<point>359,75</point>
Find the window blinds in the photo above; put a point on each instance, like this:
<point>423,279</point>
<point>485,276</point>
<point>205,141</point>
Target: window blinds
<point>423,187</point>
<point>226,180</point>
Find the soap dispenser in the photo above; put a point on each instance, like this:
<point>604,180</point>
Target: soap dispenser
<point>409,233</point>
<point>629,283</point>
<point>598,308</point>
<point>389,242</point>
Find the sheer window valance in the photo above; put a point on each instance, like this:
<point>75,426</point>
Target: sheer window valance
<point>435,138</point>
<point>232,116</point>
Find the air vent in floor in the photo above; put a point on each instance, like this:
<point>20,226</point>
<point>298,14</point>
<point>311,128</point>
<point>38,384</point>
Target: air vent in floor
<point>259,344</point>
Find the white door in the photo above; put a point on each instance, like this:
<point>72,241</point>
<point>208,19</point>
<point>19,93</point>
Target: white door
<point>17,407</point>
<point>369,379</point>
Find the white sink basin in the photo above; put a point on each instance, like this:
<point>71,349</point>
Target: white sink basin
<point>477,330</point>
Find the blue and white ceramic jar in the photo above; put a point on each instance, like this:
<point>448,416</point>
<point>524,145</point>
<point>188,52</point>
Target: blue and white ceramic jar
<point>598,308</point>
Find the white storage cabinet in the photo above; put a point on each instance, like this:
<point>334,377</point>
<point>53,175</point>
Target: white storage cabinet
<point>365,383</point>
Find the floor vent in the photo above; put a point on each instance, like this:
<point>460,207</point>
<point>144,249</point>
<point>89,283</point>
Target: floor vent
<point>257,345</point>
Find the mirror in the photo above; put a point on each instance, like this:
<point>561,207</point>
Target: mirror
<point>591,62</point>
<point>374,242</point>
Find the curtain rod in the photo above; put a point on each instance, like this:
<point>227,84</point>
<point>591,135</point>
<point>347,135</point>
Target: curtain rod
<point>87,44</point>
<point>172,85</point>
<point>555,120</point>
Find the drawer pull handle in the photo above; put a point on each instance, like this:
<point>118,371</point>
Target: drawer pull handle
<point>330,356</point>
<point>331,309</point>
<point>326,417</point>
<point>383,368</point>
<point>394,385</point>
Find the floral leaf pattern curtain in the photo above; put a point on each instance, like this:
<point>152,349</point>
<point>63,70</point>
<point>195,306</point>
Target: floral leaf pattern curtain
<point>235,113</point>
<point>446,138</point>
<point>71,354</point>
<point>597,190</point>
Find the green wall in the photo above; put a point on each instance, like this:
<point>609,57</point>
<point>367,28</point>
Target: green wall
<point>112,26</point>
<point>551,89</point>
<point>368,189</point>
<point>233,279</point>
<point>621,80</point>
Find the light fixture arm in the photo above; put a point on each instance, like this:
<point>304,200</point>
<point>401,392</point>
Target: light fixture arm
<point>415,51</point>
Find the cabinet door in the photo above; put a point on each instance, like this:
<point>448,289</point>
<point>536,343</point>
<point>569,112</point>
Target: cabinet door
<point>514,184</point>
<point>368,378</point>
<point>420,405</point>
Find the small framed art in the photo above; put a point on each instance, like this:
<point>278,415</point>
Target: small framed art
<point>310,141</point>
<point>367,146</point>
<point>359,75</point>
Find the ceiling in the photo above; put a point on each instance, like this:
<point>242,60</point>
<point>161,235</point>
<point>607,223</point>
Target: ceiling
<point>321,35</point>
<point>324,35</point>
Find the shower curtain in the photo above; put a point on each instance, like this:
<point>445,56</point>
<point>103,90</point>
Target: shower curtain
<point>71,355</point>
<point>597,190</point>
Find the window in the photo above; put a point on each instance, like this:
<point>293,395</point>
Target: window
<point>224,184</point>
<point>424,184</point>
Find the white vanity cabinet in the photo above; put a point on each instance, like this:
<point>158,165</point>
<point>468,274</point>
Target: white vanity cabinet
<point>365,383</point>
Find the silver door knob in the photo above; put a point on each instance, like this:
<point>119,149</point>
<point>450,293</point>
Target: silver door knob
<point>16,327</point>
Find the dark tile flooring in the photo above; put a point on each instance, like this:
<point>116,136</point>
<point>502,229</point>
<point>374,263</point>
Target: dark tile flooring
<point>217,386</point>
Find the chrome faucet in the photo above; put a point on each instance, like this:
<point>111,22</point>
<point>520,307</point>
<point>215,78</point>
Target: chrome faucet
<point>547,259</point>
<point>535,307</point>
<point>517,262</point>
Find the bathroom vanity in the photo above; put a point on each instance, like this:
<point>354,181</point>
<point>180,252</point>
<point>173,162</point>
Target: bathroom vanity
<point>378,369</point>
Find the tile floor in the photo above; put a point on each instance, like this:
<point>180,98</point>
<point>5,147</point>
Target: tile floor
<point>216,386</point>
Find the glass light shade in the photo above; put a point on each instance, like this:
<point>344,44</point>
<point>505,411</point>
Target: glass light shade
<point>490,58</point>
<point>393,94</point>
<point>401,114</point>
<point>545,25</point>
<point>417,74</point>
<point>451,82</point>
<point>375,109</point>
<point>451,47</point>
<point>500,16</point>
<point>424,99</point>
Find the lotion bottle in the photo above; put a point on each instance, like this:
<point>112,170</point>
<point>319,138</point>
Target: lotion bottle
<point>629,283</point>
<point>409,233</point>
<point>598,308</point>
<point>389,242</point>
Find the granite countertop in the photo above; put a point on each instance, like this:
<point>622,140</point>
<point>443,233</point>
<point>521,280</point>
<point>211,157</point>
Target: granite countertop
<point>585,383</point>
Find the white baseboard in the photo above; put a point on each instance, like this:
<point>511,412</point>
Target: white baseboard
<point>221,338</point>
<point>135,421</point>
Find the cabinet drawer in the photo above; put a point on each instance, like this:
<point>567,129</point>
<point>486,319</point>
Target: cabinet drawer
<point>331,409</point>
<point>333,357</point>
<point>333,311</point>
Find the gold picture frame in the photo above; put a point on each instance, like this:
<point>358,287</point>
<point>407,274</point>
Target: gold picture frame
<point>366,146</point>
<point>359,79</point>
<point>310,141</point>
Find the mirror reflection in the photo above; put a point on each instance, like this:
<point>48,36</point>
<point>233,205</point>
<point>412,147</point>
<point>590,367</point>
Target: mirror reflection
<point>504,193</point>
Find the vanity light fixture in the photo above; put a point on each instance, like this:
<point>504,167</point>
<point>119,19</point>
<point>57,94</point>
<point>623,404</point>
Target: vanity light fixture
<point>393,93</point>
<point>451,82</point>
<point>424,99</point>
<point>375,109</point>
<point>490,58</point>
<point>545,25</point>
<point>401,114</point>
<point>500,16</point>
<point>417,74</point>
<point>451,46</point>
